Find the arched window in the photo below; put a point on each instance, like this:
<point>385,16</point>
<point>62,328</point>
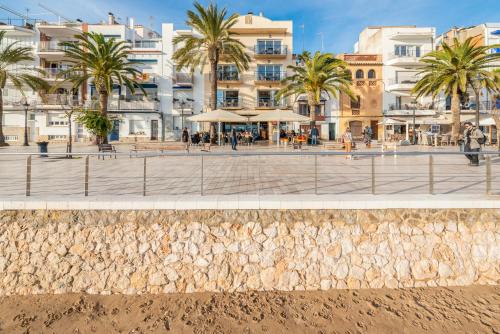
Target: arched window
<point>360,74</point>
<point>371,74</point>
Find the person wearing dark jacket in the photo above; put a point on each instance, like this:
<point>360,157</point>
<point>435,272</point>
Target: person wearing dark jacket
<point>234,139</point>
<point>472,137</point>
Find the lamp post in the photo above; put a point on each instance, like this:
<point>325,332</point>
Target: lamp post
<point>25,104</point>
<point>414,137</point>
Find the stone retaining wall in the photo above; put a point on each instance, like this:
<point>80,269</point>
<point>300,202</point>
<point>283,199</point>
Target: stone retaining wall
<point>226,250</point>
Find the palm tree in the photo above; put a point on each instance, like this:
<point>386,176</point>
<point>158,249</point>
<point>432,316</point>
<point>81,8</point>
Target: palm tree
<point>212,40</point>
<point>315,76</point>
<point>101,61</point>
<point>452,70</point>
<point>10,56</point>
<point>496,110</point>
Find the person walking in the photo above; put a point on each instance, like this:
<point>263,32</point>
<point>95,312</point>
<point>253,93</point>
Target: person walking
<point>234,139</point>
<point>473,138</point>
<point>185,138</point>
<point>367,136</point>
<point>314,135</point>
<point>347,140</point>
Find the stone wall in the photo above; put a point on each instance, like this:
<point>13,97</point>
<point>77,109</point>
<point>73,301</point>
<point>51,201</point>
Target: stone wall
<point>226,250</point>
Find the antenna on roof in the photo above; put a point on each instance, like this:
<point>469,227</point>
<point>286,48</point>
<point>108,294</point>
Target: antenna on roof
<point>59,16</point>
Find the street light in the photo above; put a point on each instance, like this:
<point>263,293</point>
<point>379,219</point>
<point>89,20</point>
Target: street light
<point>414,137</point>
<point>182,103</point>
<point>25,104</point>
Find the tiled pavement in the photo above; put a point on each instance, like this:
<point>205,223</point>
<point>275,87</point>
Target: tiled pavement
<point>243,175</point>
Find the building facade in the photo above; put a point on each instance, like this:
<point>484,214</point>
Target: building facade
<point>270,46</point>
<point>367,86</point>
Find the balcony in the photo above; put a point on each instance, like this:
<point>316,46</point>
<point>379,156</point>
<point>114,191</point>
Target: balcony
<point>413,35</point>
<point>18,27</point>
<point>271,52</point>
<point>60,29</point>
<point>145,44</point>
<point>51,50</point>
<point>137,105</point>
<point>272,77</point>
<point>55,74</point>
<point>409,58</point>
<point>269,103</point>
<point>228,77</point>
<point>229,103</point>
<point>183,79</point>
<point>402,84</point>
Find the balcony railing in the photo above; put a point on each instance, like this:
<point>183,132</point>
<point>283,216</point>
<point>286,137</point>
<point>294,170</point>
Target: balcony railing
<point>183,79</point>
<point>228,76</point>
<point>273,76</point>
<point>145,44</point>
<point>266,102</point>
<point>133,105</point>
<point>58,99</point>
<point>55,73</point>
<point>51,46</point>
<point>229,103</point>
<point>409,54</point>
<point>403,81</point>
<point>409,106</point>
<point>261,50</point>
<point>22,23</point>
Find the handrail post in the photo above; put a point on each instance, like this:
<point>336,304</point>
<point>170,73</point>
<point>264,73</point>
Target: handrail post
<point>431,174</point>
<point>86,185</point>
<point>373,175</point>
<point>144,179</point>
<point>488,175</point>
<point>316,174</point>
<point>201,190</point>
<point>28,176</point>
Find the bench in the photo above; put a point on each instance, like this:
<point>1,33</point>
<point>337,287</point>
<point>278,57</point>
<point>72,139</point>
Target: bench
<point>333,146</point>
<point>106,148</point>
<point>162,147</point>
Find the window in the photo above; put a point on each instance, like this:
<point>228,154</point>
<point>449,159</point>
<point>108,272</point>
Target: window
<point>303,109</point>
<point>356,103</point>
<point>266,98</point>
<point>360,74</point>
<point>11,138</point>
<point>227,73</point>
<point>228,98</point>
<point>57,120</point>
<point>57,137</point>
<point>371,74</point>
<point>136,127</point>
<point>269,46</point>
<point>269,72</point>
<point>407,50</point>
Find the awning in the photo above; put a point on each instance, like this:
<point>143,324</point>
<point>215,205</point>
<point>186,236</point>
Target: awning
<point>392,121</point>
<point>280,116</point>
<point>218,115</point>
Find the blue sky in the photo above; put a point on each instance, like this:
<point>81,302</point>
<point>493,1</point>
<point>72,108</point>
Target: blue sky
<point>339,22</point>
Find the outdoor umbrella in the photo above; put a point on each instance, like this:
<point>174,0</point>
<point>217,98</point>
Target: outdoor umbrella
<point>218,116</point>
<point>279,116</point>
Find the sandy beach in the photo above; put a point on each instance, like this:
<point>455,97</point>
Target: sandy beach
<point>473,309</point>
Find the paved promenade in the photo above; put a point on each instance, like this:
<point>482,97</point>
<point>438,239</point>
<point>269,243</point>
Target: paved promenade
<point>243,175</point>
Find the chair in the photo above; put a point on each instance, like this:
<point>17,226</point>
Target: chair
<point>445,140</point>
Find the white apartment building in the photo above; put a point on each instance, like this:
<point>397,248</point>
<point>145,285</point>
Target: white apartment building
<point>401,48</point>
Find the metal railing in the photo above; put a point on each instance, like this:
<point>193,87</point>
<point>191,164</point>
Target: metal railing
<point>263,50</point>
<point>228,75</point>
<point>246,173</point>
<point>270,76</point>
<point>267,102</point>
<point>51,46</point>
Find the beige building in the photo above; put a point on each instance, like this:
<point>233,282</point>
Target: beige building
<point>367,85</point>
<point>269,44</point>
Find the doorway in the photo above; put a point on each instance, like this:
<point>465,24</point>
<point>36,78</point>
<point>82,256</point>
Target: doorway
<point>115,131</point>
<point>331,131</point>
<point>374,126</point>
<point>154,129</point>
<point>356,129</point>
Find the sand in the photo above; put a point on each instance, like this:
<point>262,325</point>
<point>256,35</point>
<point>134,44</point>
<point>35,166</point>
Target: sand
<point>420,310</point>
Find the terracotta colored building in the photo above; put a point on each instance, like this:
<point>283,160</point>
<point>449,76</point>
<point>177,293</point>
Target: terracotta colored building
<point>367,85</point>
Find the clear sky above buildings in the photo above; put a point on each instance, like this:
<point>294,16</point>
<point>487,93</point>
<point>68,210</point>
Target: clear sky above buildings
<point>337,22</point>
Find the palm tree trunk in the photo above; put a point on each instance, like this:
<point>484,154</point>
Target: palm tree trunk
<point>70,134</point>
<point>2,137</point>
<point>455,115</point>
<point>213,95</point>
<point>103,105</point>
